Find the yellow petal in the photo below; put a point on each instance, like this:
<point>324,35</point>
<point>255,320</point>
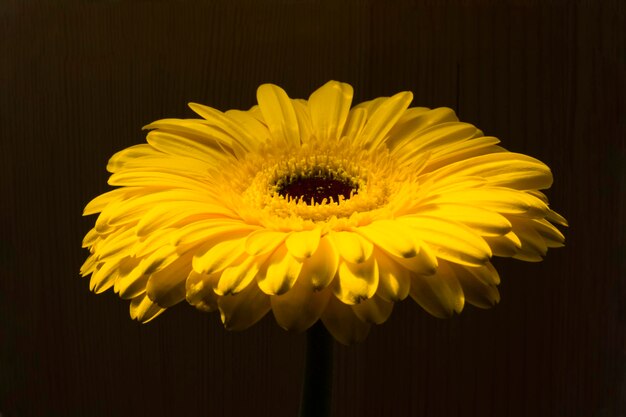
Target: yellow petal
<point>301,108</point>
<point>279,272</point>
<point>424,263</point>
<point>329,107</point>
<point>200,153</point>
<point>463,150</point>
<point>211,231</point>
<point>440,294</point>
<point>104,276</point>
<point>303,244</point>
<point>181,213</point>
<point>300,307</point>
<point>506,245</point>
<point>352,247</point>
<point>199,132</point>
<point>131,281</point>
<point>237,277</point>
<point>498,199</point>
<point>89,266</point>
<point>117,245</point>
<point>555,217</point>
<point>356,282</point>
<point>144,310</point>
<point>355,123</point>
<point>533,245</point>
<point>278,113</point>
<point>264,241</point>
<point>504,169</point>
<point>552,237</point>
<point>343,324</point>
<point>375,310</point>
<point>199,291</point>
<point>477,292</point>
<point>218,256</point>
<point>133,274</point>
<point>166,287</point>
<point>142,178</point>
<point>390,236</point>
<point>434,139</point>
<point>134,208</point>
<point>119,160</point>
<point>415,120</point>
<point>100,202</point>
<point>383,119</point>
<point>229,125</point>
<point>394,280</point>
<point>321,267</point>
<point>482,221</point>
<point>451,241</point>
<point>240,311</point>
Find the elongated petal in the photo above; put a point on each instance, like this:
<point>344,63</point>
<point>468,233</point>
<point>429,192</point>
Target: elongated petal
<point>238,312</point>
<point>104,276</point>
<point>100,202</point>
<point>142,178</point>
<point>219,256</point>
<point>321,267</point>
<point>303,244</point>
<point>477,291</point>
<point>507,245</point>
<point>199,291</point>
<point>231,126</point>
<point>166,287</point>
<point>424,263</point>
<point>504,169</point>
<point>263,241</point>
<point>237,277</point>
<point>300,307</point>
<point>305,128</point>
<point>533,244</point>
<point>343,324</point>
<point>278,113</point>
<point>176,214</point>
<point>280,272</point>
<point>498,199</point>
<point>374,311</point>
<point>552,237</point>
<point>143,309</point>
<point>415,120</point>
<point>121,158</point>
<point>210,231</point>
<point>439,294</point>
<point>383,119</point>
<point>451,241</point>
<point>181,146</point>
<point>356,281</point>
<point>394,279</point>
<point>435,139</point>
<point>329,107</point>
<point>482,221</point>
<point>131,281</point>
<point>352,247</point>
<point>355,123</point>
<point>391,237</point>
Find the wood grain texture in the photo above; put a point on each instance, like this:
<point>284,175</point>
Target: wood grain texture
<point>79,78</point>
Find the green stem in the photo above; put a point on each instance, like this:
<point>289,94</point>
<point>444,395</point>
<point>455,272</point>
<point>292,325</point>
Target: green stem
<point>318,373</point>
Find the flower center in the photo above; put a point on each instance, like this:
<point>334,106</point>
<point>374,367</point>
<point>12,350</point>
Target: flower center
<point>317,189</point>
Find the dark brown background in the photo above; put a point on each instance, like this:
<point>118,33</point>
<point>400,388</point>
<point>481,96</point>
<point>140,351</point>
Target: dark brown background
<point>79,79</point>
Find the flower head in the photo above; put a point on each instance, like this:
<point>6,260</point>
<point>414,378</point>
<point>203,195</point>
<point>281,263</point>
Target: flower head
<point>316,210</point>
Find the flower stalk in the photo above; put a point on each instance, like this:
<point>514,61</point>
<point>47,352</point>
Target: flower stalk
<point>318,373</point>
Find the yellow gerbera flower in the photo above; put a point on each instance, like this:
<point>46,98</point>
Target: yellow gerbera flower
<point>313,209</point>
